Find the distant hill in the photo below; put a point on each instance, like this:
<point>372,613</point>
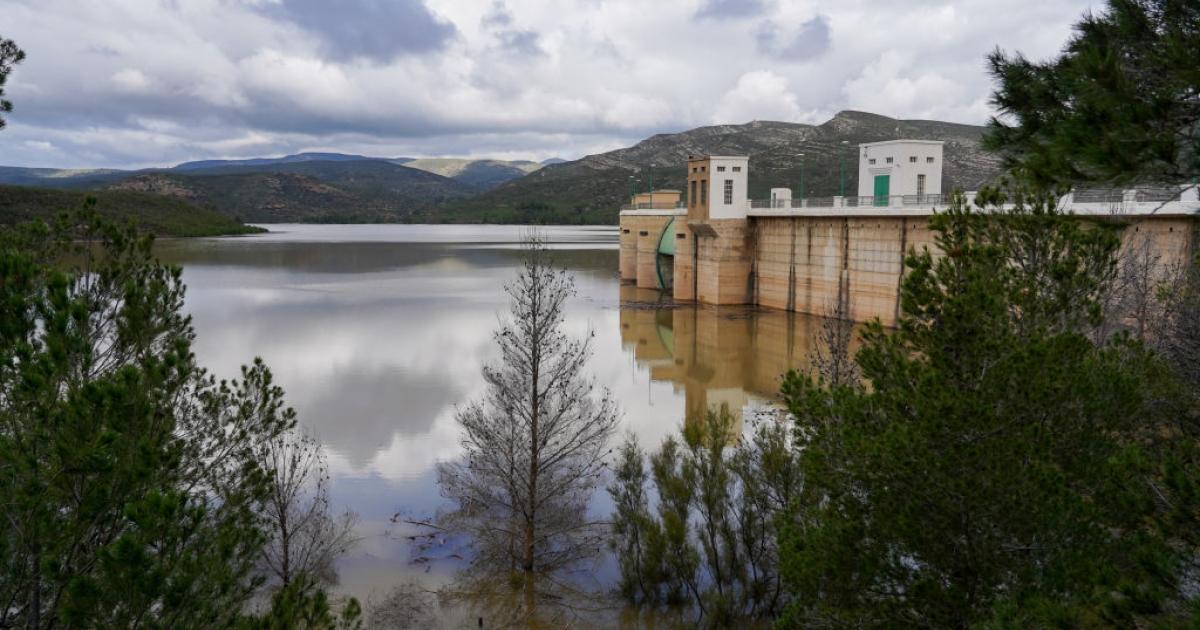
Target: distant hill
<point>352,191</point>
<point>591,190</point>
<point>302,188</point>
<point>58,177</point>
<point>477,174</point>
<point>287,159</point>
<point>158,214</point>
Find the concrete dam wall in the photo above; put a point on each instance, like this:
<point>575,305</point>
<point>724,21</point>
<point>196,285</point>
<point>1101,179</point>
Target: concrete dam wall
<point>809,261</point>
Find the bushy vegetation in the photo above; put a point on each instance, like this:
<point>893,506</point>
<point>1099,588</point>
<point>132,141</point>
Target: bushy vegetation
<point>711,540</point>
<point>160,215</point>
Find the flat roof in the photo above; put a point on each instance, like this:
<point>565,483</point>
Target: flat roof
<point>883,142</point>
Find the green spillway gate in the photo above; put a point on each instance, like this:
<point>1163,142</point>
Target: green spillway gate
<point>665,259</point>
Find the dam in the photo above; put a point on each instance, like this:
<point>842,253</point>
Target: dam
<point>711,244</point>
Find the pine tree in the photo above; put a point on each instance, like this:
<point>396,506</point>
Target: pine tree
<point>10,55</point>
<point>999,467</point>
<point>1120,105</point>
<point>130,479</point>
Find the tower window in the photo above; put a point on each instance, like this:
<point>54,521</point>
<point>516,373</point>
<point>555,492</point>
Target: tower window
<point>720,169</point>
<point>929,160</point>
<point>912,159</point>
<point>692,197</point>
<point>729,192</point>
<point>737,169</point>
<point>703,191</point>
<point>871,161</point>
<point>889,160</point>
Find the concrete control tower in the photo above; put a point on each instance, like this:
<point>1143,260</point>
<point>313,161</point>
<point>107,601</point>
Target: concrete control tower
<point>899,168</point>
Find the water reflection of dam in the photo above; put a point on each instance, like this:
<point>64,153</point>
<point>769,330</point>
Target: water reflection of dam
<point>734,355</point>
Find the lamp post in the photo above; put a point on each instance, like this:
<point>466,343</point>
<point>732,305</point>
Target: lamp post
<point>801,156</point>
<point>652,185</point>
<point>632,201</point>
<point>842,171</point>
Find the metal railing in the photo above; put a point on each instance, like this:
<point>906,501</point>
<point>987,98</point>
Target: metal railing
<point>1160,193</point>
<point>1098,195</point>
<point>921,200</point>
<point>813,202</point>
<point>880,201</point>
<point>851,202</point>
<point>1112,196</point>
<point>657,205</point>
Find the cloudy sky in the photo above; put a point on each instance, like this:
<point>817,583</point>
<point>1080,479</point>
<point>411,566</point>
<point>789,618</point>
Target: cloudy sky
<point>132,83</point>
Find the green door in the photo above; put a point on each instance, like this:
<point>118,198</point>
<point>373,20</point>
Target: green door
<point>883,184</point>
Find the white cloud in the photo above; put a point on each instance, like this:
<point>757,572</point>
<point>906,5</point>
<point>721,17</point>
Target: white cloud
<point>131,80</point>
<point>239,78</point>
<point>758,95</point>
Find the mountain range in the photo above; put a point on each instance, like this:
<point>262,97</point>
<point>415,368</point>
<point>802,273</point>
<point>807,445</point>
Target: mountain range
<point>591,189</point>
<point>341,188</point>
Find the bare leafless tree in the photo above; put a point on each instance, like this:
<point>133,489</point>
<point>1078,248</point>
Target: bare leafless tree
<point>830,356</point>
<point>536,443</point>
<point>305,537</point>
<point>1179,341</point>
<point>1132,302</point>
<point>408,605</point>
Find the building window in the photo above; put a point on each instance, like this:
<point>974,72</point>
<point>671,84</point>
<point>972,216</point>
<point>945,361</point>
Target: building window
<point>703,191</point>
<point>737,169</point>
<point>695,170</point>
<point>702,168</point>
<point>871,161</point>
<point>889,160</point>
<point>720,169</point>
<point>692,197</point>
<point>729,192</point>
<point>912,159</point>
<point>929,160</point>
<point>920,187</point>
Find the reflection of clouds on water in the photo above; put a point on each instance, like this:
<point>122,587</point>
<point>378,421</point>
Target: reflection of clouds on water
<point>386,404</point>
<point>408,457</point>
<point>374,342</point>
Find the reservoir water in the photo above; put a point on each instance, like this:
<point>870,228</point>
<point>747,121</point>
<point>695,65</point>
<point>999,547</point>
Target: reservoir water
<point>378,332</point>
